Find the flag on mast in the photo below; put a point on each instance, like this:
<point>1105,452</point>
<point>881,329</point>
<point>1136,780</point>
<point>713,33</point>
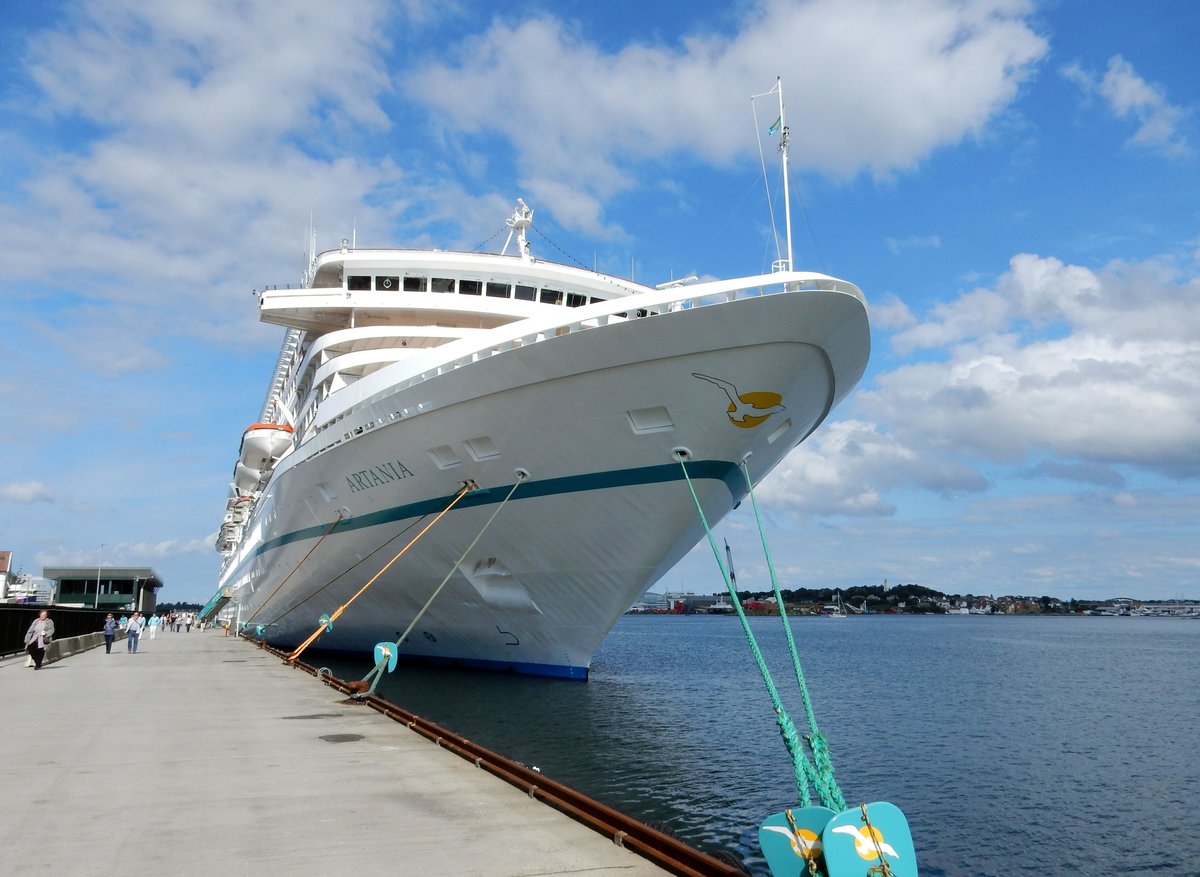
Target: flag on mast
<point>774,129</point>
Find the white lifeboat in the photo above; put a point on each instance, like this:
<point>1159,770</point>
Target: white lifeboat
<point>238,501</point>
<point>263,443</point>
<point>246,478</point>
<point>228,537</point>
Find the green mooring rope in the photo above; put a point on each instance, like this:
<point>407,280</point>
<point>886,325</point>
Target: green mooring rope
<point>827,789</point>
<point>818,775</point>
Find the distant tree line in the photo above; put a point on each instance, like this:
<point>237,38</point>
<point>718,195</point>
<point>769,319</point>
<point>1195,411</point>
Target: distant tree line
<point>163,608</point>
<point>917,598</point>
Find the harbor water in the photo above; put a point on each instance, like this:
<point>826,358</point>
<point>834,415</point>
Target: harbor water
<point>1015,745</point>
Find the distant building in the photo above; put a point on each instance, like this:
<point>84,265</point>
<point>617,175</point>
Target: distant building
<point>651,601</point>
<point>20,587</point>
<point>124,588</point>
<point>24,588</point>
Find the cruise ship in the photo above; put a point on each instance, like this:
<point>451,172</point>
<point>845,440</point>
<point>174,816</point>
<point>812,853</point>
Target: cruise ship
<point>484,459</point>
<point>552,410</point>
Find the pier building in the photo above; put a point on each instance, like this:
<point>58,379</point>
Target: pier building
<point>127,588</point>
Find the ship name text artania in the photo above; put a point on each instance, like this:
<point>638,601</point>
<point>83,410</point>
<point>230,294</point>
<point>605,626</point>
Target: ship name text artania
<point>377,476</point>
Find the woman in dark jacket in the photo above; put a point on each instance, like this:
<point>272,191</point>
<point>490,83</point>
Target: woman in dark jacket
<point>110,632</point>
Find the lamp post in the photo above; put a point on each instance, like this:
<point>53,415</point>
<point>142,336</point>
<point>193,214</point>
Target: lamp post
<point>96,605</point>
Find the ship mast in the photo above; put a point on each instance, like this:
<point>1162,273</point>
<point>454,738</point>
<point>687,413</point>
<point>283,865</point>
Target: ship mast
<point>521,219</point>
<point>783,151</point>
<point>780,127</point>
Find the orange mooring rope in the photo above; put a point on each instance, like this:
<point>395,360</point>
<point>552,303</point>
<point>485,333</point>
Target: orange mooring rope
<point>467,487</point>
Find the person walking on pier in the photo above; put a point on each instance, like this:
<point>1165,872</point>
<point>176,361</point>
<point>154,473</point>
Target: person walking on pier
<point>133,631</point>
<point>153,625</point>
<point>38,637</point>
<point>110,633</point>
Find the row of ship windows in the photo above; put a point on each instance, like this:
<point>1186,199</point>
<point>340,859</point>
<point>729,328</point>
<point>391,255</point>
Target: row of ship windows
<point>468,287</point>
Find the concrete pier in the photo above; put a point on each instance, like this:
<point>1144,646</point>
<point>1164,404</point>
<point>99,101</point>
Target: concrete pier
<point>204,755</point>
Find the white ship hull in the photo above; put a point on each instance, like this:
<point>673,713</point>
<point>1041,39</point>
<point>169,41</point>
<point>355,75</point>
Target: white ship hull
<point>590,412</point>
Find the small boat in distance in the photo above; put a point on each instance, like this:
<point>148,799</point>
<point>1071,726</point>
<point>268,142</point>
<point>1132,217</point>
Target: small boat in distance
<point>836,609</point>
<point>721,607</point>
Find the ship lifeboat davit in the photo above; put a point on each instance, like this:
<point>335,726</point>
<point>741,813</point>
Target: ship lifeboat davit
<point>263,443</point>
<point>245,478</point>
<point>262,446</point>
<point>237,500</point>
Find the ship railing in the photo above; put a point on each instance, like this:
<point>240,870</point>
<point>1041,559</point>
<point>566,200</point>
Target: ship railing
<point>653,302</point>
<point>605,313</point>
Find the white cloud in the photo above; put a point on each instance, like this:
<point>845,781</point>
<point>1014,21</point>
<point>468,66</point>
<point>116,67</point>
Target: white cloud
<point>847,466</point>
<point>1129,96</point>
<point>1029,548</point>
<point>1100,366</point>
<point>25,492</point>
<point>187,147</point>
<point>889,312</point>
<point>973,314</point>
<point>919,75</point>
<point>896,246</point>
<point>221,74</point>
<point>169,547</point>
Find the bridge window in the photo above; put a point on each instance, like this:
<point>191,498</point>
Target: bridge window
<point>414,284</point>
<point>574,300</point>
<point>470,287</point>
<point>443,284</point>
<point>358,281</point>
<point>498,290</point>
<point>387,283</point>
<point>551,297</point>
<point>525,293</point>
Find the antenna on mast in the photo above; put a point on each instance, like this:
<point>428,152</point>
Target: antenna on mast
<point>521,219</point>
<point>311,254</point>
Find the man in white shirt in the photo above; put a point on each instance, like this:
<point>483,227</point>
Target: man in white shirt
<point>132,632</point>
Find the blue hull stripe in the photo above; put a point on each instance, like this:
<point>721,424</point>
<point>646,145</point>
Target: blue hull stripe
<point>701,469</point>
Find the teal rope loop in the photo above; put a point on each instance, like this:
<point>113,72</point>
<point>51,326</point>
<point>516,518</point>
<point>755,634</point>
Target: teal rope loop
<point>816,773</point>
<point>804,771</point>
<point>827,788</point>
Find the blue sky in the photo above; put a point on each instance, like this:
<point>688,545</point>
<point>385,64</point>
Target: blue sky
<point>1014,185</point>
